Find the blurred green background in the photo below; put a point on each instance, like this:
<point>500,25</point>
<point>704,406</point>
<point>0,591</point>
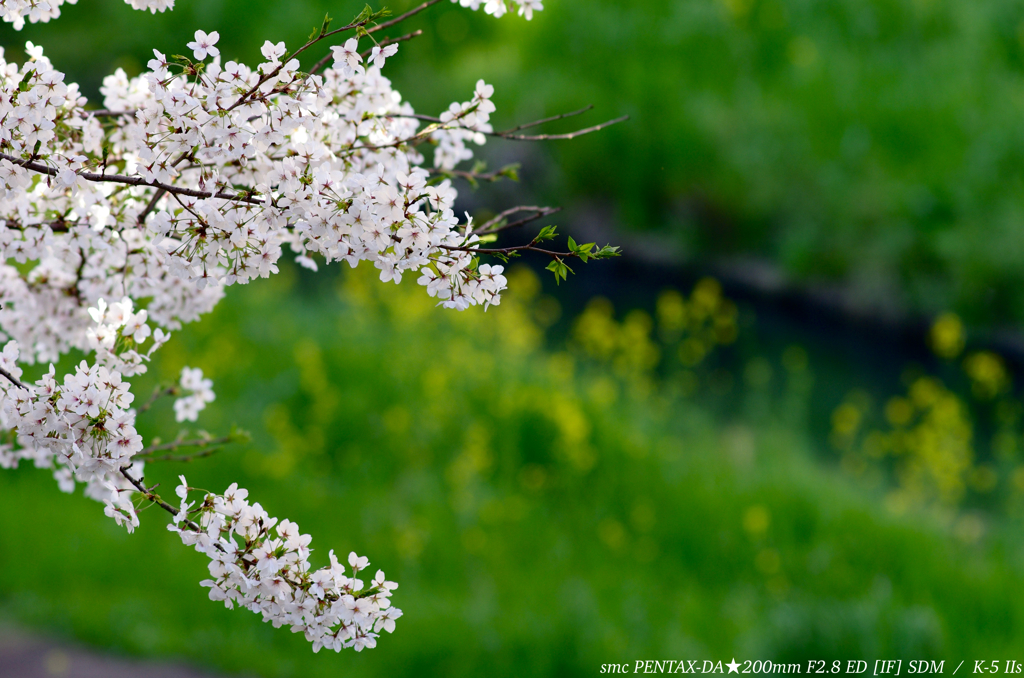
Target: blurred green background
<point>639,463</point>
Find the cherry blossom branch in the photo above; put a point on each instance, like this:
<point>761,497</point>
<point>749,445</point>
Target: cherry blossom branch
<point>389,41</point>
<point>324,34</point>
<point>245,557</point>
<point>509,134</point>
<point>154,498</point>
<point>365,53</point>
<point>131,181</point>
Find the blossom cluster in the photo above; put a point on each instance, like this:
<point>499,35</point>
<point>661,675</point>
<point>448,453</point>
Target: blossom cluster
<point>199,392</point>
<point>17,11</point>
<point>500,7</point>
<point>83,429</point>
<point>120,224</point>
<point>262,564</point>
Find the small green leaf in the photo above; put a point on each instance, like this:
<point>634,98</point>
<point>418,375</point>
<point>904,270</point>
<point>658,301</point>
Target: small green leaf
<point>561,271</point>
<point>546,233</point>
<point>510,172</point>
<point>606,252</point>
<point>364,15</point>
<point>24,85</point>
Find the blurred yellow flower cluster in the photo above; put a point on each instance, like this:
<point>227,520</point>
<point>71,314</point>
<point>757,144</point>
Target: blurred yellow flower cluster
<point>988,374</point>
<point>683,331</point>
<point>928,435</point>
<point>947,336</point>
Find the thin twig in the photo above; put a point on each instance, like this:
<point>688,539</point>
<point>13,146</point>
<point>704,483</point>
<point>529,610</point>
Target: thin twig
<point>391,41</point>
<point>519,137</point>
<point>402,17</point>
<point>491,226</point>
<point>553,118</point>
<point>175,444</point>
<point>157,394</point>
<point>570,135</point>
<point>508,250</point>
<point>182,457</point>
<point>309,43</point>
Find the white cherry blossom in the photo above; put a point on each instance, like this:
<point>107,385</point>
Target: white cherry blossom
<point>120,225</point>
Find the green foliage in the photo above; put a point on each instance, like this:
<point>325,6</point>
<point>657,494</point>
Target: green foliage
<point>559,268</point>
<point>542,509</point>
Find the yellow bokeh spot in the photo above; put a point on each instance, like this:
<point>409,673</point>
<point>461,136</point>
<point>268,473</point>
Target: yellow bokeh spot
<point>988,374</point>
<point>846,419</point>
<point>947,336</point>
<point>671,310</point>
<point>612,534</point>
<point>756,520</point>
<point>899,411</point>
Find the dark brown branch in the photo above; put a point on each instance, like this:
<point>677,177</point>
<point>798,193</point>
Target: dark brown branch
<point>155,498</point>
<point>11,378</point>
<point>150,206</point>
<point>508,250</point>
<point>107,113</point>
<point>57,225</point>
<point>132,181</point>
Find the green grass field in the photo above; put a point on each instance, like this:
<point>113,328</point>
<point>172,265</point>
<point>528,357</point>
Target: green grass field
<point>542,516</point>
